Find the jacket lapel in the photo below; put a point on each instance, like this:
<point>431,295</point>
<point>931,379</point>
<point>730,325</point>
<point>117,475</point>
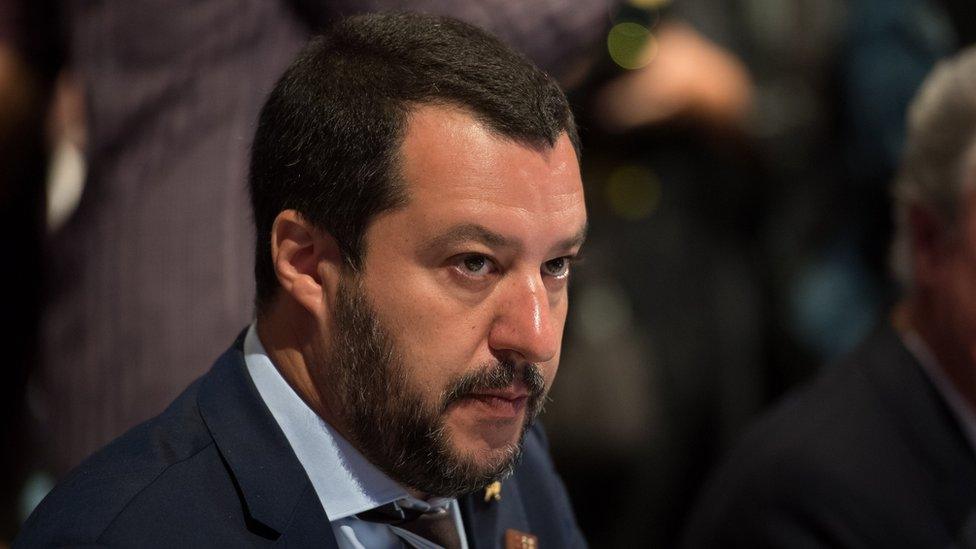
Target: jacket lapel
<point>930,428</point>
<point>485,522</point>
<point>275,489</point>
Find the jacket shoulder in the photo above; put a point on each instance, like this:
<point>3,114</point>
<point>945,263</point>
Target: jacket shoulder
<point>820,469</point>
<point>95,496</point>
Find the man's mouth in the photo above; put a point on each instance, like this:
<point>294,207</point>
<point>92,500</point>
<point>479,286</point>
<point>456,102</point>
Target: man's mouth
<point>502,392</point>
<point>504,402</point>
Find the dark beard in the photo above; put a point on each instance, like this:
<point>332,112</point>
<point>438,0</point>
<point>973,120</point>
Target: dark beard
<point>391,425</point>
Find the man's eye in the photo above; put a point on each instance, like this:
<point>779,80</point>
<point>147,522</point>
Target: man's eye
<point>476,265</point>
<point>558,267</point>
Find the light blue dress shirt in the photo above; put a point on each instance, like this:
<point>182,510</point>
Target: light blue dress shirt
<point>345,481</point>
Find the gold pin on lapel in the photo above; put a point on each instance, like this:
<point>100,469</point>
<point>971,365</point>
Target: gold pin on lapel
<point>493,491</point>
<point>515,539</point>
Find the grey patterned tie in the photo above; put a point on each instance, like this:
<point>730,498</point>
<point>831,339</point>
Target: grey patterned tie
<point>436,526</point>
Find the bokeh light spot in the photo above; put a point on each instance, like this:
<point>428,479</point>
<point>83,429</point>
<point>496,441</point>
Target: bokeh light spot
<point>631,45</point>
<point>633,192</point>
<point>649,4</point>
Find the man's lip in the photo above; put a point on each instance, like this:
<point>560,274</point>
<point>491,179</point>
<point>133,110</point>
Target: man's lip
<point>510,393</point>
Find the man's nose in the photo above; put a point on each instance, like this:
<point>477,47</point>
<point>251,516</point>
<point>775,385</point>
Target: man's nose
<point>524,323</point>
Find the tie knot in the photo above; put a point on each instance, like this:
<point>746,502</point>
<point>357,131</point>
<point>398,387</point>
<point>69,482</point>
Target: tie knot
<point>403,510</point>
<point>435,524</point>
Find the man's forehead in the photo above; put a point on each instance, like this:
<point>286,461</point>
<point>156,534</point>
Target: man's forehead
<point>462,182</point>
<point>450,140</point>
<point>459,121</point>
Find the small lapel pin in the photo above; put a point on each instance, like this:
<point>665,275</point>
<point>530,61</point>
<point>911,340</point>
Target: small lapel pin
<point>493,491</point>
<point>515,539</point>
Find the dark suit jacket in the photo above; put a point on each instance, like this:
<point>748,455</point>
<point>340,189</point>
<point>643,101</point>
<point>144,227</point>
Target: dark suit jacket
<point>215,469</point>
<point>868,455</point>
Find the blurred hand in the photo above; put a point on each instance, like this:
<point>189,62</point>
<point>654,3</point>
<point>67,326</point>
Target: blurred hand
<point>688,77</point>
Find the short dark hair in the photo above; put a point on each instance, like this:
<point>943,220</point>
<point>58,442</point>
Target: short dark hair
<point>328,136</point>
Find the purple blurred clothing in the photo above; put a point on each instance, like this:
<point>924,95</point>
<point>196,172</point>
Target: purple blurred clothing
<point>9,21</point>
<point>152,276</point>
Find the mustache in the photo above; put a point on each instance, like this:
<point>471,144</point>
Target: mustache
<point>497,376</point>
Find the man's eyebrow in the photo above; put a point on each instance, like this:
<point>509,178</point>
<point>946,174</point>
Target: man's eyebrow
<point>470,232</point>
<point>575,240</point>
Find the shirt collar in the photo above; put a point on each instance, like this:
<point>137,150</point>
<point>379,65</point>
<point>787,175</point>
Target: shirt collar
<point>930,365</point>
<point>344,480</point>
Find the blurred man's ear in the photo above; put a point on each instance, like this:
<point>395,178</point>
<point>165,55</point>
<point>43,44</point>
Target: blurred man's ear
<point>307,262</point>
<point>929,241</point>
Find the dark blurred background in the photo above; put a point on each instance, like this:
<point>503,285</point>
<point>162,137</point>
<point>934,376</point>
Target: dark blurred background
<point>737,155</point>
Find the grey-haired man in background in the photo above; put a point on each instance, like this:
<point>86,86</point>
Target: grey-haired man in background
<point>880,449</point>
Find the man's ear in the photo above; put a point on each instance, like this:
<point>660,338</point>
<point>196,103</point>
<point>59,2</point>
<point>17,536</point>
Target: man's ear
<point>307,262</point>
<point>929,241</point>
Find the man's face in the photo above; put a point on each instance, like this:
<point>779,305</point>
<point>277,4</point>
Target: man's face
<point>448,339</point>
<point>952,286</point>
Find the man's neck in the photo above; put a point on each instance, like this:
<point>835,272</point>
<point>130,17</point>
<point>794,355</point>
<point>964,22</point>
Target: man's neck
<point>289,344</point>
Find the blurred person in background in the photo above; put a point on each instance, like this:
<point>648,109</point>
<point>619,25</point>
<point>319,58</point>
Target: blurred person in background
<point>416,225</point>
<point>880,449</point>
<point>887,48</point>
